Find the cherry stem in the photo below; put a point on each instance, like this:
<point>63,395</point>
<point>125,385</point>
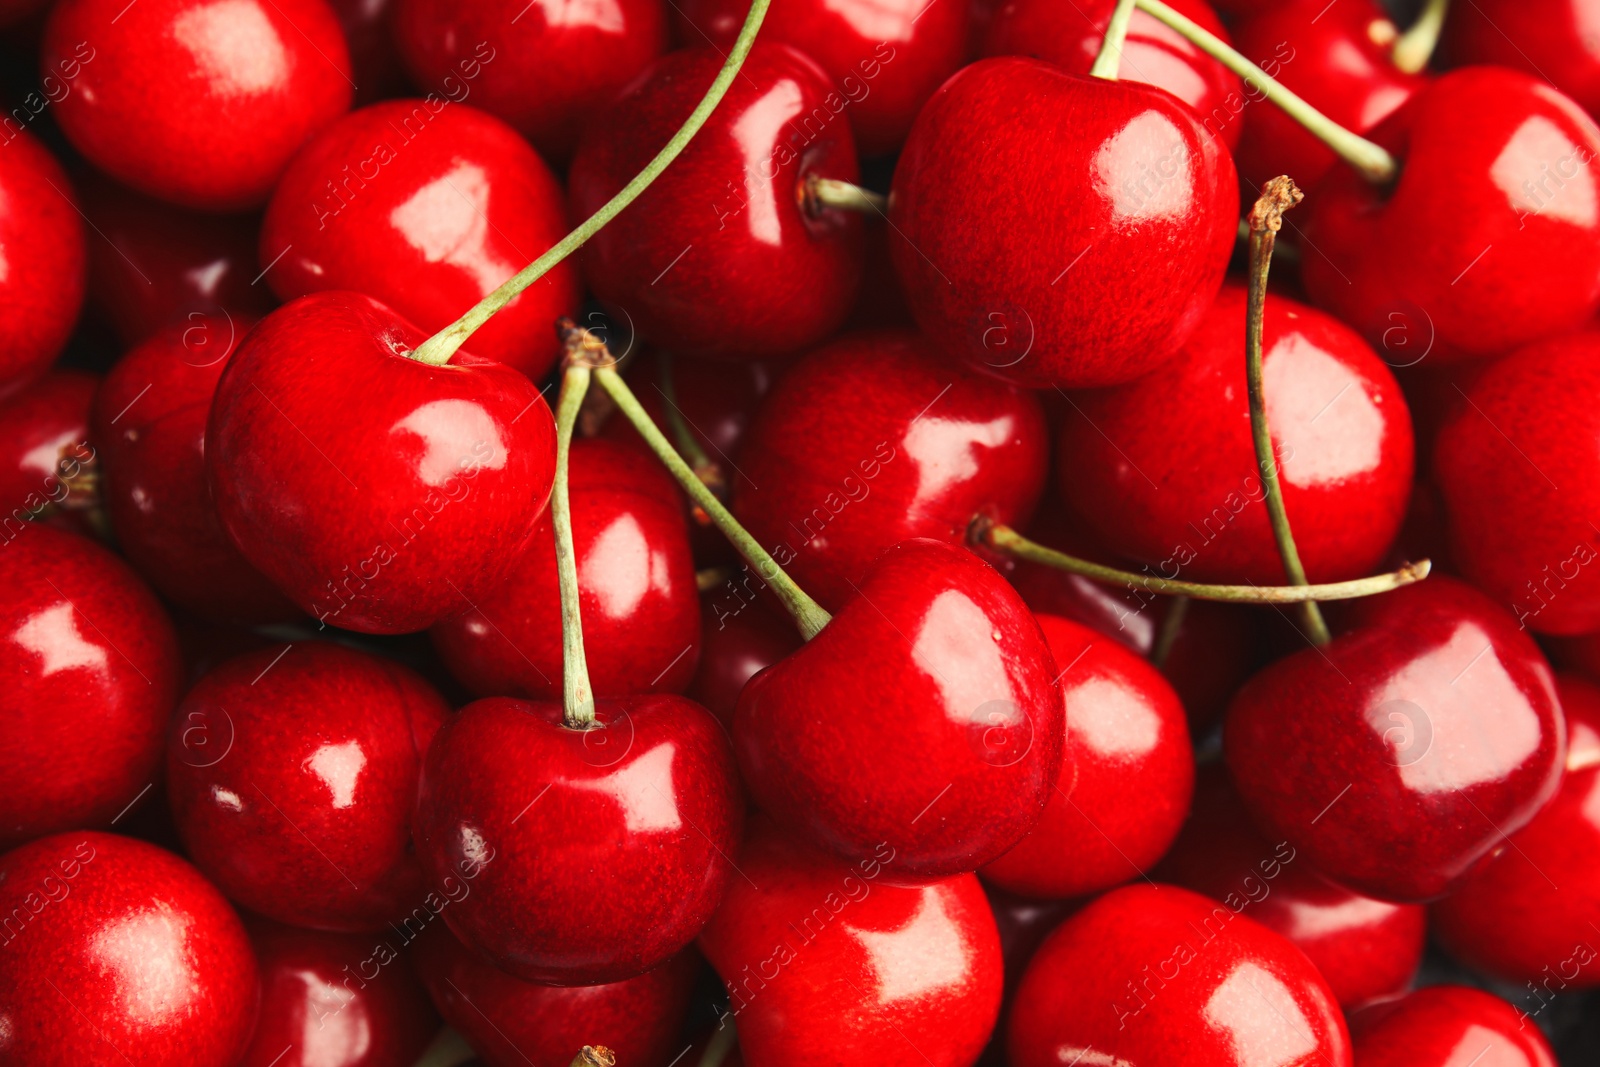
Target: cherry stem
<point>1177,611</point>
<point>594,1056</point>
<point>577,695</point>
<point>823,193</point>
<point>720,1045</point>
<point>1109,60</point>
<point>1372,160</point>
<point>688,444</point>
<point>438,349</point>
<point>808,615</point>
<point>1003,538</point>
<point>1266,219</point>
<point>1414,48</point>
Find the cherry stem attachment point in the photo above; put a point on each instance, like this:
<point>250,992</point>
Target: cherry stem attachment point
<point>594,1056</point>
<point>577,695</point>
<point>1002,538</point>
<point>1414,48</point>
<point>1372,160</point>
<point>823,193</point>
<point>438,349</point>
<point>688,444</point>
<point>1109,60</point>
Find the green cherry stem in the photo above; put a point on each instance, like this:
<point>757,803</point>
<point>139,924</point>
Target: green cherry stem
<point>1109,59</point>
<point>1414,48</point>
<point>688,444</point>
<point>1266,219</point>
<point>1003,538</point>
<point>720,1045</point>
<point>438,349</point>
<point>577,695</point>
<point>1177,611</point>
<point>1372,160</point>
<point>823,193</point>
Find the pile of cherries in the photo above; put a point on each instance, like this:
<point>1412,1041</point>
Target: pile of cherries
<point>899,582</point>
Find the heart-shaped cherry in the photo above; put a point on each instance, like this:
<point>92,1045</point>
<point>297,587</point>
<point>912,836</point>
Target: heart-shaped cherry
<point>1493,187</point>
<point>292,773</point>
<point>428,206</point>
<point>42,242</point>
<point>1398,757</point>
<point>118,952</point>
<point>379,492</point>
<point>725,255</point>
<point>49,468</point>
<point>1128,205</point>
<point>579,856</point>
<point>91,672</point>
<point>1530,916</point>
<point>334,1000</point>
<point>1152,974</point>
<point>195,102</point>
<point>1552,39</point>
<point>512,1023</point>
<point>925,714</point>
<point>740,636</point>
<point>1071,36</point>
<point>1367,949</point>
<point>1128,773</point>
<point>838,466</point>
<point>832,962</point>
<point>1448,1026</point>
<point>636,579</point>
<point>1164,467</point>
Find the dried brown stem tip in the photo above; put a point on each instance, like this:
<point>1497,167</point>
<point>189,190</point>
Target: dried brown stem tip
<point>595,1056</point>
<point>580,346</point>
<point>1277,196</point>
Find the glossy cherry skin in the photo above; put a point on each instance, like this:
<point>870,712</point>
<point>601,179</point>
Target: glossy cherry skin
<point>160,265</point>
<point>830,961</point>
<point>532,65</point>
<point>721,257</point>
<point>90,672</point>
<point>1398,757</point>
<point>636,591</point>
<point>1448,1026</point>
<point>49,464</point>
<point>292,773</point>
<point>884,58</point>
<point>1529,916</point>
<point>1498,462</point>
<point>625,857</point>
<point>1366,949</point>
<point>512,1023</point>
<point>1013,146</point>
<point>42,248</point>
<point>150,424</point>
<point>1070,36</point>
<point>427,206</point>
<point>926,714</point>
<point>840,465</point>
<point>1128,774</point>
<point>380,493</point>
<point>1336,58</point>
<point>1552,39</point>
<point>1491,191</point>
<point>1156,975</point>
<point>1164,468</point>
<point>198,103</point>
<point>327,1001</point>
<point>123,954</point>
<point>740,636</point>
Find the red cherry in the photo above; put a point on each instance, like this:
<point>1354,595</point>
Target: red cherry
<point>577,857</point>
<point>838,466</point>
<point>292,773</point>
<point>926,714</point>
<point>721,256</point>
<point>545,67</point>
<point>49,466</point>
<point>1530,915</point>
<point>636,582</point>
<point>328,1001</point>
<point>90,673</point>
<point>512,1023</point>
<point>1070,36</point>
<point>739,637</point>
<point>118,952</point>
<point>1520,478</point>
<point>831,962</point>
<point>427,206</point>
<point>343,469</point>
<point>1336,58</point>
<point>150,422</point>
<point>1124,198</point>
<point>1398,757</point>
<point>884,57</point>
<point>1367,949</point>
<point>374,57</point>
<point>42,245</point>
<point>1128,773</point>
<point>1553,39</point>
<point>1447,1026</point>
<point>197,103</point>
<point>1492,189</point>
<point>1164,468</point>
<point>1151,974</point>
